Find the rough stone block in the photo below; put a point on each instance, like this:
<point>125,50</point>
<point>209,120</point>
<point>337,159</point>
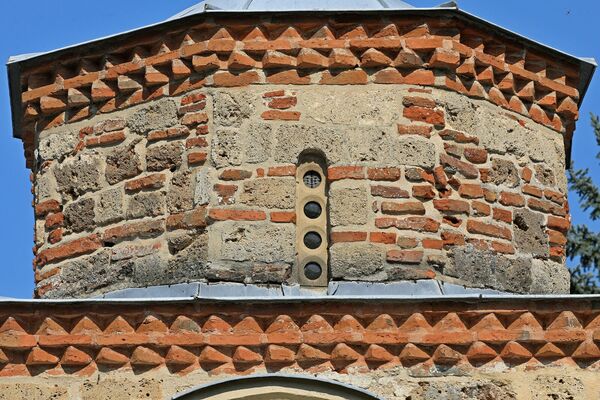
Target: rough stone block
<point>348,205</point>
<point>259,141</point>
<point>180,196</point>
<point>159,114</point>
<point>227,148</point>
<point>144,204</point>
<point>80,175</point>
<point>122,163</point>
<point>57,145</point>
<point>109,208</point>
<point>270,193</point>
<point>530,234</point>
<point>79,216</point>
<point>164,156</point>
<point>357,261</point>
<point>232,108</point>
<point>504,172</point>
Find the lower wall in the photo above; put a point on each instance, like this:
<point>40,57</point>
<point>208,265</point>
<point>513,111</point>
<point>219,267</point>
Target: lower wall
<point>434,348</point>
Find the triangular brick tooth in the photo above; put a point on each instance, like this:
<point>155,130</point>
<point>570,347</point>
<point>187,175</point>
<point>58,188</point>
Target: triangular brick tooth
<point>163,48</point>
<point>343,352</point>
<point>357,32</point>
<point>101,91</point>
<point>240,60</point>
<point>11,325</point>
<point>185,324</point>
<point>52,105</point>
<point>587,350</point>
<point>565,320</point>
<point>50,327</point>
<point>450,323</point>
<point>107,356</point>
<point>119,325</point>
<point>255,34</point>
<point>376,353</point>
<point>309,353</point>
<point>526,321</point>
<point>206,63</point>
<point>507,83</point>
<point>342,58</point>
<point>383,322</point>
<point>127,84</point>
<point>216,324</point>
<point>179,69</point>
<point>154,77</point>
<point>517,105</point>
<point>481,352</point>
<point>374,58</point>
<point>323,33</point>
<point>222,33</point>
<point>309,59</point>
<point>415,322</point>
<point>486,76</point>
<point>408,59</point>
<point>244,355</point>
<point>31,111</point>
<point>37,356</point>
<point>276,59</point>
<point>247,325</point>
<point>179,356</point>
<point>290,33</point>
<point>76,98</point>
<point>593,324</point>
<point>316,323</point>
<point>549,350</point>
<point>568,107</point>
<point>3,358</point>
<point>513,351</point>
<point>497,97</point>
<point>152,324</point>
<point>412,354</point>
<point>146,357</point>
<point>527,92</point>
<point>283,323</point>
<point>446,355</point>
<point>417,31</point>
<point>211,356</point>
<point>548,101</point>
<point>348,324</point>
<point>388,31</point>
<point>75,357</point>
<point>467,68</point>
<point>279,354</point>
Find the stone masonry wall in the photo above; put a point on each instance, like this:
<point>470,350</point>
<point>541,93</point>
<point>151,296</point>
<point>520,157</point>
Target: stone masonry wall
<point>423,183</point>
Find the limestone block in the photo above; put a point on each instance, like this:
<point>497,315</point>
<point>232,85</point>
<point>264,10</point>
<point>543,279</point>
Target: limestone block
<point>79,175</point>
<point>122,163</point>
<point>270,193</point>
<point>159,114</point>
<point>530,233</point>
<point>144,204</point>
<point>109,207</point>
<point>180,196</point>
<point>232,108</point>
<point>348,205</point>
<point>164,156</point>
<point>357,261</point>
<point>79,216</point>
<point>56,145</point>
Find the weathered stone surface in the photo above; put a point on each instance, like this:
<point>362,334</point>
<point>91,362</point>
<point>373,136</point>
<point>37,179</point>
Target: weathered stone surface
<point>79,216</point>
<point>548,277</point>
<point>271,272</point>
<point>151,270</point>
<point>203,187</point>
<point>180,196</point>
<point>544,175</point>
<point>122,389</point>
<point>232,108</point>
<point>144,204</point>
<point>557,387</point>
<point>33,391</point>
<point>357,261</point>
<point>529,233</point>
<point>57,145</point>
<point>348,205</point>
<point>179,240</point>
<point>191,262</point>
<point>79,175</point>
<point>270,193</point>
<point>45,186</point>
<point>236,241</point>
<point>122,163</point>
<point>259,141</point>
<point>109,208</point>
<point>504,172</point>
<point>164,156</point>
<point>227,148</point>
<point>159,114</point>
<point>432,390</point>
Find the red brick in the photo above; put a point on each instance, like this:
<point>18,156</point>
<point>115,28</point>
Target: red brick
<point>289,77</point>
<point>505,248</point>
<point>546,207</point>
<point>557,253</point>
<point>284,170</point>
<point>45,207</point>
<point>195,119</point>
<point>72,249</point>
<point>54,220</point>
<point>225,193</point>
<point>202,130</point>
<point>475,155</point>
<point>424,102</point>
<point>187,220</point>
<point>419,224</point>
<point>532,191</point>
<point>482,228</point>
<point>452,220</point>
<point>512,199</point>
<point>154,181</point>
<point>279,115</point>
<point>457,136</point>
<point>526,174</point>
<point>227,79</point>
<point>389,192</point>
<point>55,236</point>
<point>274,93</point>
<point>556,238</point>
<point>503,215</point>
<point>435,244</point>
<point>198,157</point>
<point>339,237</point>
<point>283,103</point>
<point>143,229</point>
<point>454,150</point>
<point>470,191</point>
<point>170,133</point>
<point>490,195</point>
<point>404,256</point>
<point>466,169</point>
<point>349,77</point>
<point>441,180</point>
<point>192,98</point>
<point>421,130</point>
<point>481,209</point>
<point>559,224</point>
<point>382,237</point>
<point>411,207</point>
<point>384,174</point>
<point>452,206</point>
<point>283,216</point>
<point>556,197</point>
<point>452,239</point>
<point>427,115</point>
<point>196,142</point>
<point>423,191</point>
<point>106,139</point>
<point>235,174</point>
<point>337,173</point>
<point>444,58</point>
<point>224,214</point>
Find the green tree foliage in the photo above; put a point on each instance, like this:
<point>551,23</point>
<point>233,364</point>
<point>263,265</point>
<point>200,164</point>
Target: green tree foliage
<point>584,245</point>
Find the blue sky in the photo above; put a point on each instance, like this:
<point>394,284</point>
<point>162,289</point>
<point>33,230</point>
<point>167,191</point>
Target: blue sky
<point>42,25</point>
